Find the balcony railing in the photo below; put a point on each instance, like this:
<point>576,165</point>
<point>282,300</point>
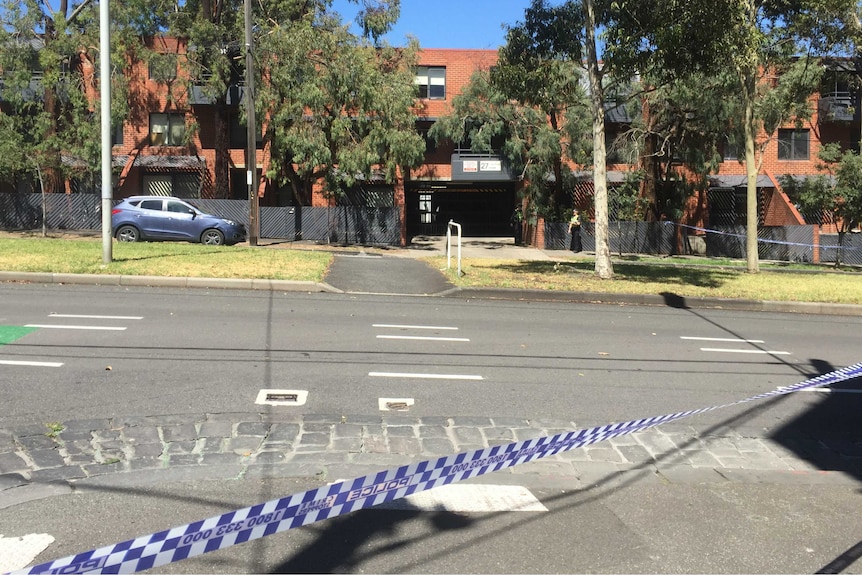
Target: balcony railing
<point>234,96</point>
<point>838,107</point>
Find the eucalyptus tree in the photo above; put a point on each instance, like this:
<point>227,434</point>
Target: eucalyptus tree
<point>338,106</point>
<point>44,93</point>
<point>539,61</point>
<point>49,55</point>
<point>834,197</point>
<point>213,32</point>
<point>767,48</point>
<point>541,75</point>
<point>537,142</point>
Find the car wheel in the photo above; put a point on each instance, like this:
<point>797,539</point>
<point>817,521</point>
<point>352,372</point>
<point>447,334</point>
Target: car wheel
<point>128,234</point>
<point>212,237</point>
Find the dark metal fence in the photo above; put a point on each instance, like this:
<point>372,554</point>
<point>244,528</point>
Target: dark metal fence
<point>342,224</point>
<point>624,237</point>
<point>62,211</point>
<point>784,243</point>
<point>382,226</point>
<point>850,249</point>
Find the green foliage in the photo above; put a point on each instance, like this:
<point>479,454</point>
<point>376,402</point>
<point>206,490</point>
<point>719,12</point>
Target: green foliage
<point>539,70</point>
<point>340,108</point>
<point>625,199</point>
<point>835,198</point>
<point>50,125</point>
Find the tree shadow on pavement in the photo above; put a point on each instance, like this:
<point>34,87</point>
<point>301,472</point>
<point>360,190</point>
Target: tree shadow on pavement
<point>344,543</point>
<point>689,276</point>
<point>827,435</point>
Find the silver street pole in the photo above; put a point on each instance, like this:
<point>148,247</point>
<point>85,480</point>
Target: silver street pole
<point>105,91</point>
<point>251,155</point>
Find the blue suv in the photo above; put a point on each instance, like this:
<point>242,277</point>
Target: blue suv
<point>164,218</point>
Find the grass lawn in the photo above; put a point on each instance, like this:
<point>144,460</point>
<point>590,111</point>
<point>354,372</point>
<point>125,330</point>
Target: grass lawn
<point>637,275</point>
<point>824,285</point>
<point>175,259</point>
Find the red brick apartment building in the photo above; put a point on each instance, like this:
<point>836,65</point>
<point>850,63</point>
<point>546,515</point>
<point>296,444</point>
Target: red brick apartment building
<point>476,190</point>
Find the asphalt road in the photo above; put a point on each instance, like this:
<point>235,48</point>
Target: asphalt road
<point>160,351</point>
<point>191,351</point>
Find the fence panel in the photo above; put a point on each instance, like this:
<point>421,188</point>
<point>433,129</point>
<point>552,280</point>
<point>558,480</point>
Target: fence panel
<point>345,224</point>
<point>62,211</point>
<point>624,237</point>
<point>851,250</point>
<point>786,243</point>
<point>19,212</point>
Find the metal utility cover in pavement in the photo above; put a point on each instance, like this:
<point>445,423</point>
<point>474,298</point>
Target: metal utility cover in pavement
<point>395,404</point>
<point>282,397</point>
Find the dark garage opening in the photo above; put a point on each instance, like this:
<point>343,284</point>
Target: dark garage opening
<point>481,212</point>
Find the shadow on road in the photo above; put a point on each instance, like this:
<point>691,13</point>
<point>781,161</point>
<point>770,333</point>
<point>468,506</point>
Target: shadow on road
<point>827,435</point>
<point>344,543</point>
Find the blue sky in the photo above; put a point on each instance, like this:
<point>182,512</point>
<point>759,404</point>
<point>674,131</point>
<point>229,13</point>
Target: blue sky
<point>450,23</point>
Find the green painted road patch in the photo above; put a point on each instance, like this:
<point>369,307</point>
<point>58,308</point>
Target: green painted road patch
<point>9,333</point>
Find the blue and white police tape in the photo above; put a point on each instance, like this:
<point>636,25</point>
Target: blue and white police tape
<point>340,498</point>
<point>762,240</point>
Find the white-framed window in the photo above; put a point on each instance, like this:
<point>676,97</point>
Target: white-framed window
<point>431,81</point>
<point>167,129</point>
<point>425,208</point>
<point>793,144</point>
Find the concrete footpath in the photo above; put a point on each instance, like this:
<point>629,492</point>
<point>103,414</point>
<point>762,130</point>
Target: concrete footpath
<point>672,499</point>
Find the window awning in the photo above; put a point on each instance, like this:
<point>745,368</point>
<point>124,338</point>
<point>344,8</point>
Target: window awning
<point>170,162</point>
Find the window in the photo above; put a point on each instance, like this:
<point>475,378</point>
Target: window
<point>177,207</point>
<point>431,81</point>
<point>117,135</point>
<point>179,184</point>
<point>425,208</point>
<point>729,151</point>
<point>167,129</point>
<point>793,144</point>
<point>151,205</point>
<point>238,134</point>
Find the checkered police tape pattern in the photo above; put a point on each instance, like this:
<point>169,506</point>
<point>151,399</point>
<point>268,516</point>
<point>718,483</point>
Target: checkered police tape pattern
<point>336,499</point>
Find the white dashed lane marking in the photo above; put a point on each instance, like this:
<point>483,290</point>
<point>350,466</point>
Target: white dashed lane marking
<point>753,351</point>
<point>90,327</point>
<point>729,339</point>
<point>734,350</point>
<point>72,315</point>
<point>423,338</point>
<point>423,375</point>
<point>31,363</point>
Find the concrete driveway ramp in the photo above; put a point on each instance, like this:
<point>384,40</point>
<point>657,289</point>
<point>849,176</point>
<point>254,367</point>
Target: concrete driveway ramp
<point>375,274</point>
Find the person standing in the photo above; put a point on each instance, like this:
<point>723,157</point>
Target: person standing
<point>575,231</point>
<point>517,224</point>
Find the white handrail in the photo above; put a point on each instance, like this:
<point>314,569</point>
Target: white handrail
<point>449,245</point>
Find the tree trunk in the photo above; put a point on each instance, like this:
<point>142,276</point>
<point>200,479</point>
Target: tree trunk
<point>604,267</point>
<point>751,215</point>
<point>221,186</point>
<point>748,78</point>
<point>557,196</point>
<point>650,168</point>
